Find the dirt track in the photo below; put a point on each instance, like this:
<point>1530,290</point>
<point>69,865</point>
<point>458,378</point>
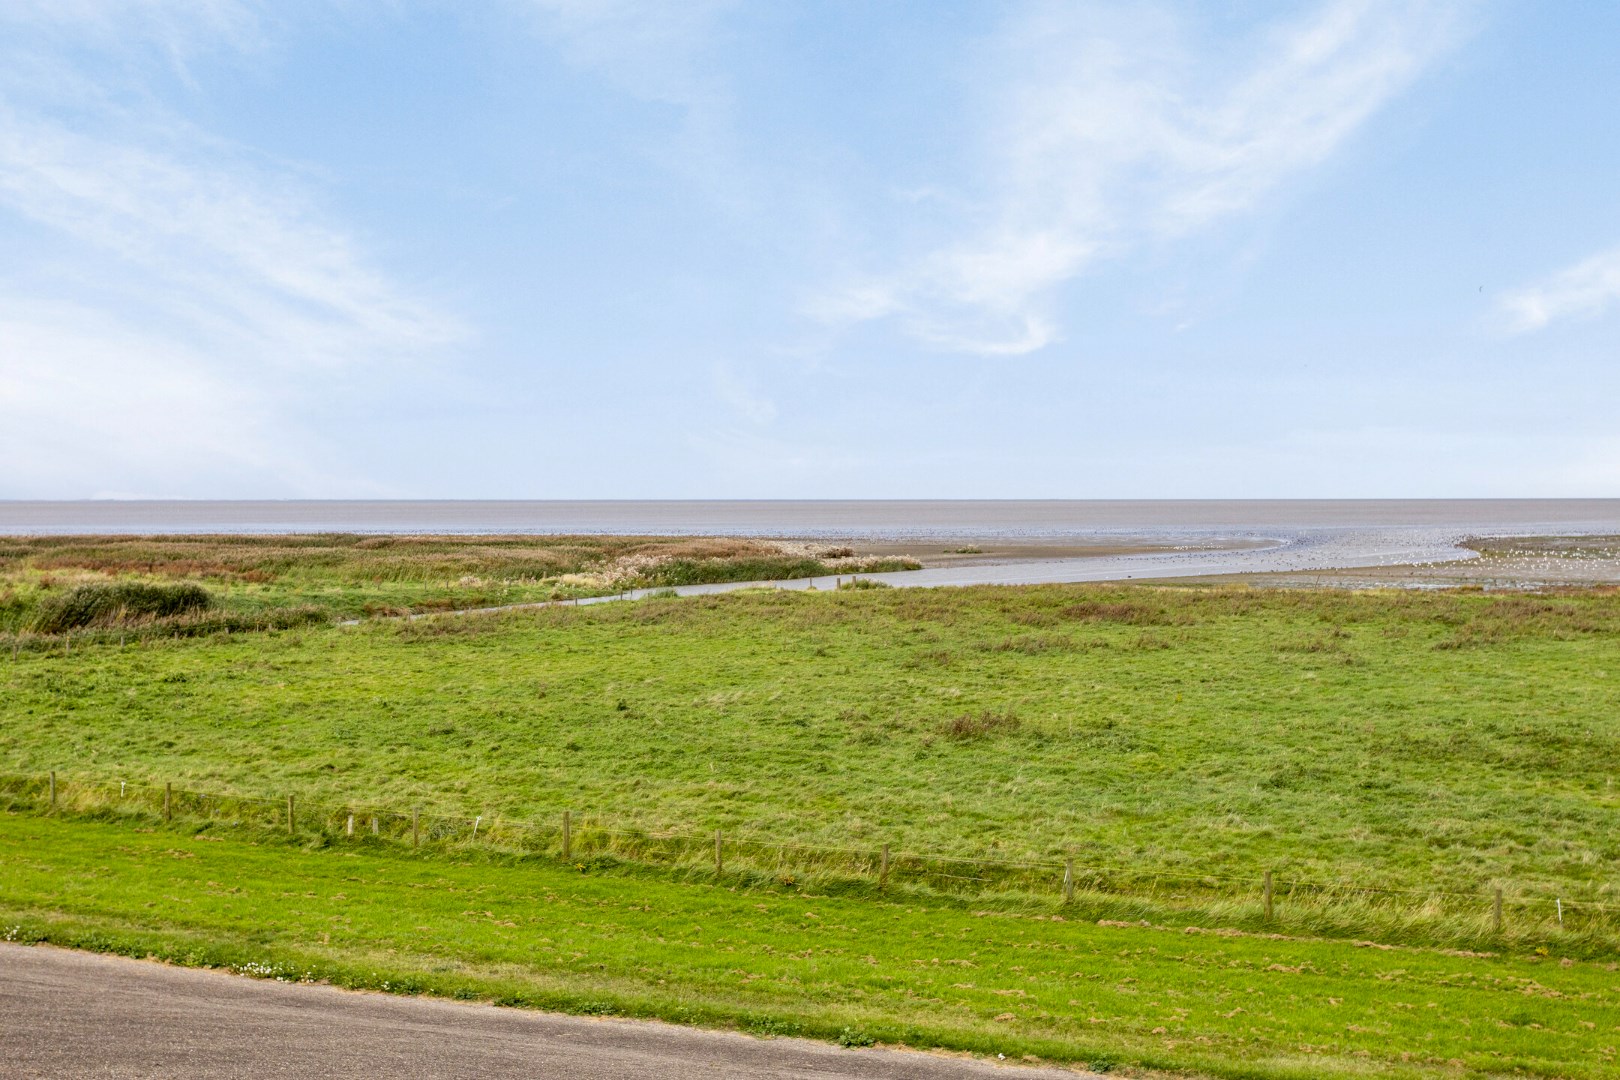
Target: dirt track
<point>65,1013</point>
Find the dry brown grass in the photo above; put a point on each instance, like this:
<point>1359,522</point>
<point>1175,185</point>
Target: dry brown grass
<point>969,727</point>
<point>358,576</point>
<point>342,556</point>
<point>1131,614</point>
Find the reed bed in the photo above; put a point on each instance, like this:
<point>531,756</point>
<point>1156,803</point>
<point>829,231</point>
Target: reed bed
<point>161,585</point>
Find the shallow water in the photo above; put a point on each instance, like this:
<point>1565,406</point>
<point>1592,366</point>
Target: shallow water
<point>810,518</point>
<point>1222,537</point>
<point>1290,550</point>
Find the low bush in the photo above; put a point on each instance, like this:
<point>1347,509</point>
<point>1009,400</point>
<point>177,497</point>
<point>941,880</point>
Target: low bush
<point>102,604</point>
<point>710,571</point>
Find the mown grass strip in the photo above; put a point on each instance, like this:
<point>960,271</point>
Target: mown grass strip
<point>1388,916</point>
<point>633,943</point>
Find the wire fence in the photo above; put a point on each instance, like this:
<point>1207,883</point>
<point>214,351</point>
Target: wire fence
<point>585,840</point>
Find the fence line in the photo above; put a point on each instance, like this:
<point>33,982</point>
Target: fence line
<point>573,837</point>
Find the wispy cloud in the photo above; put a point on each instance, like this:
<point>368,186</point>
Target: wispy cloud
<point>1111,130</point>
<point>245,248</point>
<point>173,274</point>
<point>176,27</point>
<point>1583,290</point>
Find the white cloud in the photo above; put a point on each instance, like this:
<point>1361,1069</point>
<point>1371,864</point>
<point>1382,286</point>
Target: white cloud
<point>1107,133</point>
<point>1583,290</point>
<point>170,283</point>
<point>127,35</point>
<point>169,24</point>
<point>249,255</point>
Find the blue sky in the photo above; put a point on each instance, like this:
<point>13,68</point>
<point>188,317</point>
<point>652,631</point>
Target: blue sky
<point>626,249</point>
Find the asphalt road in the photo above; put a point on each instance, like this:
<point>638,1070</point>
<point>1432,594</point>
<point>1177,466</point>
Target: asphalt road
<point>72,1014</point>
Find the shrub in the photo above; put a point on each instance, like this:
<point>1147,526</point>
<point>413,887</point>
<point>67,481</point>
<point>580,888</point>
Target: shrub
<point>127,601</point>
<point>742,568</point>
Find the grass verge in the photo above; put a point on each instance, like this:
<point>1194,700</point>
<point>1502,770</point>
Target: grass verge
<point>1432,918</point>
<point>633,942</point>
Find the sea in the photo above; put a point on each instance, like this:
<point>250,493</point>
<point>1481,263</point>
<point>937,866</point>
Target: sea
<point>877,518</point>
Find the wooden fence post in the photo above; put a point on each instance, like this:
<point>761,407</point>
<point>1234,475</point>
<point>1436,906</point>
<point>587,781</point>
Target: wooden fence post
<point>168,802</point>
<point>719,863</point>
<point>883,869</point>
<point>290,818</point>
<point>1496,911</point>
<point>416,826</point>
<point>1268,896</point>
<point>1068,881</point>
<point>568,835</point>
<point>53,789</point>
<point>348,826</point>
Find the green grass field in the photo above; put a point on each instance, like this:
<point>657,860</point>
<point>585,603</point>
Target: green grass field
<point>1423,741</point>
<point>1175,742</point>
<point>636,943</point>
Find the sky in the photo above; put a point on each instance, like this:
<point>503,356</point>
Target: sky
<point>711,249</point>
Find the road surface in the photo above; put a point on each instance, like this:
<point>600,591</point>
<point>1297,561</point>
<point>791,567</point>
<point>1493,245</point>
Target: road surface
<point>65,1013</point>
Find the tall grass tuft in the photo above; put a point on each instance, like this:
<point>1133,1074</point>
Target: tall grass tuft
<point>968,727</point>
<point>121,602</point>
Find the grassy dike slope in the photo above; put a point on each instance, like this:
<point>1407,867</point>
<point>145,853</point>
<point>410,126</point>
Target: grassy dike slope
<point>636,943</point>
<point>1418,741</point>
